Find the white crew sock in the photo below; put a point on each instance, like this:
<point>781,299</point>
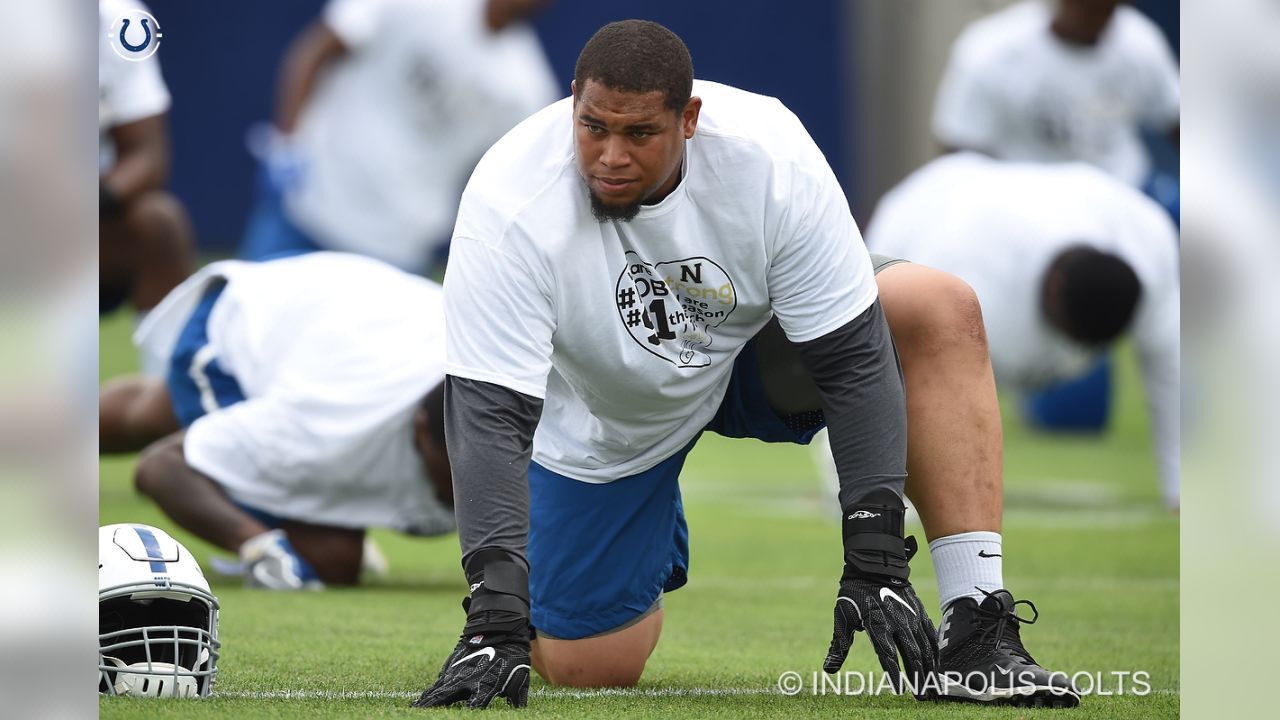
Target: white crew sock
<point>961,569</point>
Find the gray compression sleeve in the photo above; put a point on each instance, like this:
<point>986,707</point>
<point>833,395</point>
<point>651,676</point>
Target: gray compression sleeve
<point>856,370</point>
<point>489,433</point>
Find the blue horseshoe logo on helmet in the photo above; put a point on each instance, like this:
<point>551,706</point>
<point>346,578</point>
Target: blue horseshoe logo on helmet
<point>146,28</point>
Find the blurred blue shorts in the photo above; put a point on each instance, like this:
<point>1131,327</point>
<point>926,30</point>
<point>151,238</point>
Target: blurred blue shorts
<point>1081,404</point>
<point>270,234</point>
<point>197,383</point>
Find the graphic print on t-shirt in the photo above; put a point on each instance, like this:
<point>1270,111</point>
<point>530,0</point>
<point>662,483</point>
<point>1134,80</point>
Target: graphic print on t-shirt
<point>1077,127</point>
<point>670,307</point>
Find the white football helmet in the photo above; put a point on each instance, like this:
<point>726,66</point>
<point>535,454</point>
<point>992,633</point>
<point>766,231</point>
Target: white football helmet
<point>157,619</point>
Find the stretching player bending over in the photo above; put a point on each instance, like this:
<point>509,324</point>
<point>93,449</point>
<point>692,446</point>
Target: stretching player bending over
<point>303,404</point>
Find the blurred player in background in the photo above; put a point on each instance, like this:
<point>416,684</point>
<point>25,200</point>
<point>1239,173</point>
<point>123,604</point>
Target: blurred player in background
<point>383,109</point>
<point>1061,80</point>
<point>615,256</point>
<point>145,238</point>
<point>1065,259</point>
<point>303,404</point>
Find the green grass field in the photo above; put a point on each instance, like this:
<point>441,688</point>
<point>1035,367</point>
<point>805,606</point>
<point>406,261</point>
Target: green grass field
<point>1085,538</point>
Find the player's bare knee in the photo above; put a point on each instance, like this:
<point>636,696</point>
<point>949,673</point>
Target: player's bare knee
<point>161,218</point>
<point>944,317</point>
<point>152,207</point>
<point>965,311</point>
<point>565,667</point>
<point>334,553</point>
<point>614,659</point>
<point>154,469</point>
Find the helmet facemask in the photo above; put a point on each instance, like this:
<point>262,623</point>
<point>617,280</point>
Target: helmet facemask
<point>158,622</point>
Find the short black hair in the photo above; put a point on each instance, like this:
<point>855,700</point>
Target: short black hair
<point>638,56</point>
<point>1096,292</point>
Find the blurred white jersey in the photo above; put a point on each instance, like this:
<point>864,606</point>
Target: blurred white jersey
<point>629,330</point>
<point>128,90</point>
<point>1015,90</point>
<point>395,127</point>
<point>998,225</point>
<point>333,353</point>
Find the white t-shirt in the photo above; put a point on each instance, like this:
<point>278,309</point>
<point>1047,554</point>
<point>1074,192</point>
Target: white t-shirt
<point>333,352</point>
<point>629,330</point>
<point>1015,90</point>
<point>127,90</point>
<point>998,225</point>
<point>395,127</point>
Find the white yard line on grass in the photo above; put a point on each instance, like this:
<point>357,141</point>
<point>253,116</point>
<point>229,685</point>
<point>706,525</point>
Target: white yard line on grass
<point>656,692</point>
<point>571,693</point>
<point>314,695</point>
<point>788,582</point>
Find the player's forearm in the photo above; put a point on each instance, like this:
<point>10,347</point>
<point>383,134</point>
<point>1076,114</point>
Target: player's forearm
<point>190,498</point>
<point>856,369</point>
<point>500,13</point>
<point>142,159</point>
<point>132,177</point>
<point>489,433</point>
<point>308,53</point>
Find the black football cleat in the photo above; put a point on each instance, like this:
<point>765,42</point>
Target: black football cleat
<point>981,657</point>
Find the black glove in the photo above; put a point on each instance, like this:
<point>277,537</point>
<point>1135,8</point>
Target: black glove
<point>876,596</point>
<point>492,657</point>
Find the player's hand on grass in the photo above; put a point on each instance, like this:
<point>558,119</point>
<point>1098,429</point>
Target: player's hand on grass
<point>491,659</point>
<point>479,670</point>
<point>896,623</point>
<point>876,596</point>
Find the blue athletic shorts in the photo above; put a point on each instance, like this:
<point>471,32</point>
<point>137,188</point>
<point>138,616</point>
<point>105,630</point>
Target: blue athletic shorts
<point>270,234</point>
<point>197,383</point>
<point>601,554</point>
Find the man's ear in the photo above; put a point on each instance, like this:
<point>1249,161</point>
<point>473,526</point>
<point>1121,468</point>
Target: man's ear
<point>689,117</point>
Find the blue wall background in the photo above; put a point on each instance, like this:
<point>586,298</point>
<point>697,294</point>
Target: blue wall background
<point>221,62</point>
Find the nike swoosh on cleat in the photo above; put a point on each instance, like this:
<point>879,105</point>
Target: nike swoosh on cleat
<point>485,651</point>
<point>887,593</point>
